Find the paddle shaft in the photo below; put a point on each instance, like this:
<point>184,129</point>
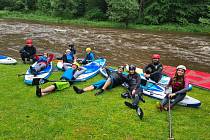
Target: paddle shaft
<point>170,120</point>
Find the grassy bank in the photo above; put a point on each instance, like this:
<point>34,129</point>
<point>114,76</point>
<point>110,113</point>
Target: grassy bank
<point>37,17</point>
<point>66,115</point>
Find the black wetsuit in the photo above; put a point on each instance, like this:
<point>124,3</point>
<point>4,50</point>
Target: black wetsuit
<point>28,52</point>
<point>155,71</point>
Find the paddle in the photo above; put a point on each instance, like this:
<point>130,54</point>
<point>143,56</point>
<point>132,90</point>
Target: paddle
<point>38,81</point>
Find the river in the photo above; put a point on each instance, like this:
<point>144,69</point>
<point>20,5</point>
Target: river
<point>119,46</point>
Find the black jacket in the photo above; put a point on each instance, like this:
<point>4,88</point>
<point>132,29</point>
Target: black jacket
<point>152,68</point>
<point>28,50</point>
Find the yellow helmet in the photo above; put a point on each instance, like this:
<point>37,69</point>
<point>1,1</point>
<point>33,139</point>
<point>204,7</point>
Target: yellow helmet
<point>75,63</point>
<point>88,49</point>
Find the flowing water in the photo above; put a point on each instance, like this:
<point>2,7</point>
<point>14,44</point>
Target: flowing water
<point>118,46</point>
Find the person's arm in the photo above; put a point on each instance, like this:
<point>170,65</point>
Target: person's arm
<point>145,69</point>
<point>138,79</point>
<point>22,50</point>
<point>108,72</point>
<point>185,89</point>
<point>33,51</point>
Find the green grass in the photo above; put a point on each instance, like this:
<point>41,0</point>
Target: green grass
<point>40,17</point>
<point>66,115</point>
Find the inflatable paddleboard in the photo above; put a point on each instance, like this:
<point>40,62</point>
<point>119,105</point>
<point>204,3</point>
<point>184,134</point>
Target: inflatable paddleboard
<point>92,69</point>
<point>7,60</point>
<point>45,73</point>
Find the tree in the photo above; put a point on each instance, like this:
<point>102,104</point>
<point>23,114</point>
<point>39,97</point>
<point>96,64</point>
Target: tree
<point>125,11</point>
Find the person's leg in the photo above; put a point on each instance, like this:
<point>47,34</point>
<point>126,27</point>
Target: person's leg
<point>156,77</point>
<point>105,84</point>
<point>39,67</point>
<point>96,85</point>
<point>164,101</point>
<point>177,99</point>
<point>41,92</point>
<point>80,91</point>
<point>78,72</point>
<point>48,90</point>
<point>66,66</point>
<point>22,55</point>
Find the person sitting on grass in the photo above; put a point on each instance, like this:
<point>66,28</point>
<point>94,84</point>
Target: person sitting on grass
<point>63,84</point>
<point>154,69</point>
<point>180,87</point>
<point>90,56</point>
<point>134,90</point>
<point>42,63</point>
<point>114,79</point>
<point>28,52</point>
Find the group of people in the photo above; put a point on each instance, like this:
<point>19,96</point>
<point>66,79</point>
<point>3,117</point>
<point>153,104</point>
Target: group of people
<point>28,54</point>
<point>153,71</point>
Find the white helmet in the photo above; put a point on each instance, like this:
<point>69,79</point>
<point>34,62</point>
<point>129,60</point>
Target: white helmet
<point>181,67</point>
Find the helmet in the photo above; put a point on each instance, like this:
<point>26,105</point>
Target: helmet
<point>71,44</point>
<point>88,49</point>
<point>181,67</point>
<point>29,42</point>
<point>75,63</point>
<point>155,56</point>
<point>68,50</point>
<point>132,67</point>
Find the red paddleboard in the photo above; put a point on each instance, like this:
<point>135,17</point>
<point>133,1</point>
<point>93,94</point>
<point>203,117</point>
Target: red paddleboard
<point>196,78</point>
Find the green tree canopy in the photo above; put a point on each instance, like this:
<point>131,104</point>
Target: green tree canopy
<point>124,11</point>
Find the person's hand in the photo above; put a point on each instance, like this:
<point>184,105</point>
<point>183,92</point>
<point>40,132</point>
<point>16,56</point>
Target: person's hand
<point>146,75</point>
<point>171,95</point>
<point>133,92</point>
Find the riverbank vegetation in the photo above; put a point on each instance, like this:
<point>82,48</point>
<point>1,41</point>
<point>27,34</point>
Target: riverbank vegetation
<point>185,16</point>
<point>66,115</point>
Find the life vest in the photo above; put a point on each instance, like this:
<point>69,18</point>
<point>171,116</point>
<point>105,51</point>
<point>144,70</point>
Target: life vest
<point>69,57</point>
<point>176,86</point>
<point>133,80</point>
<point>42,59</point>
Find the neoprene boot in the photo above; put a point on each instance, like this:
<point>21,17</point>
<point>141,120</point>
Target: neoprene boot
<point>125,95</point>
<point>77,90</point>
<point>140,113</point>
<point>131,105</point>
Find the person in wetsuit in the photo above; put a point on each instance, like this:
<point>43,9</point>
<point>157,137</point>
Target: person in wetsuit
<point>114,79</point>
<point>154,69</point>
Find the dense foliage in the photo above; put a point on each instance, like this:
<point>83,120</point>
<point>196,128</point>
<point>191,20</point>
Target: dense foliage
<point>135,11</point>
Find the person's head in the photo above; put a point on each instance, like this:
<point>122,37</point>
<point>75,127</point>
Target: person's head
<point>120,69</point>
<point>132,69</point>
<point>71,45</point>
<point>88,50</point>
<point>29,42</point>
<point>68,51</point>
<point>180,70</point>
<point>45,54</point>
<point>75,65</point>
<point>155,58</point>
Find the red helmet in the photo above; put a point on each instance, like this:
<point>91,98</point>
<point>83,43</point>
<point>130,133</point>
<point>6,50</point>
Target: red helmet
<point>29,42</point>
<point>155,56</point>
